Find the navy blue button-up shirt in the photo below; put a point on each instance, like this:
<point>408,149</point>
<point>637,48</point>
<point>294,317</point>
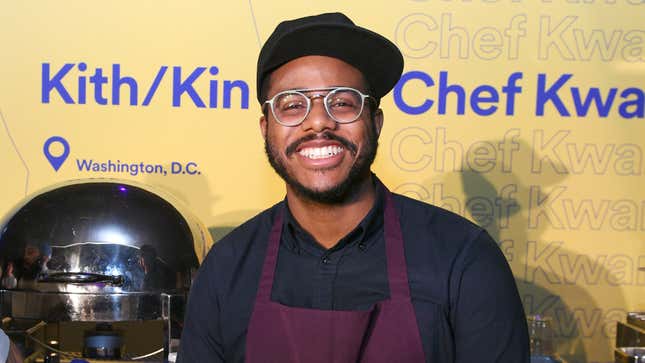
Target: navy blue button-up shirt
<point>463,292</point>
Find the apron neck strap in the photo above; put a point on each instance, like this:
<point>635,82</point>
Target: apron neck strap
<point>268,269</point>
<point>397,272</point>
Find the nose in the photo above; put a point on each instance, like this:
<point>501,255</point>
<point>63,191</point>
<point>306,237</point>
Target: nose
<point>318,119</point>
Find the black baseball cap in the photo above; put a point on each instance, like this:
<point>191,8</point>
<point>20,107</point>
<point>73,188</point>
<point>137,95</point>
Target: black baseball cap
<point>333,35</point>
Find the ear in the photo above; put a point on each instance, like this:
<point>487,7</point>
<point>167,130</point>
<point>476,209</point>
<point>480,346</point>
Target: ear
<point>263,126</point>
<point>378,121</point>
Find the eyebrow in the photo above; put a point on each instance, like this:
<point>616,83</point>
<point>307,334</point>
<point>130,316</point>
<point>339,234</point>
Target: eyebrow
<point>329,88</point>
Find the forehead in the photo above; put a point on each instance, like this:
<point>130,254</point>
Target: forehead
<point>315,72</point>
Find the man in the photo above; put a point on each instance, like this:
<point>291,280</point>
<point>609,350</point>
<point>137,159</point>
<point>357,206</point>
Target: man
<point>343,270</point>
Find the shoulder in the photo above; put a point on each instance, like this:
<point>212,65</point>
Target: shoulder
<point>437,241</point>
<point>435,222</point>
<point>442,246</point>
<point>234,260</point>
<point>241,243</point>
<point>447,235</point>
<point>245,235</point>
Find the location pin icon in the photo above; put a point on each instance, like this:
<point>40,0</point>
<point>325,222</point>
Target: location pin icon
<point>56,160</point>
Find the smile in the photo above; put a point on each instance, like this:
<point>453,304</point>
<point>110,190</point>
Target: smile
<point>320,152</point>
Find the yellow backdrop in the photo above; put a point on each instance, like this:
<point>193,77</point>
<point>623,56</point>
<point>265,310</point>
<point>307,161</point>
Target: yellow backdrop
<point>524,116</point>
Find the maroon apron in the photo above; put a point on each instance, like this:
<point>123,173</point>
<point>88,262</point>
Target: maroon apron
<point>387,333</point>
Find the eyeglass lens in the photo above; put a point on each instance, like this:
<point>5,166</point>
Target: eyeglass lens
<point>342,105</point>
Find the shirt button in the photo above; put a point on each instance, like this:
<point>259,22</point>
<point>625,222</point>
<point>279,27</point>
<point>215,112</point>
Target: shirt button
<point>362,246</point>
<point>325,260</point>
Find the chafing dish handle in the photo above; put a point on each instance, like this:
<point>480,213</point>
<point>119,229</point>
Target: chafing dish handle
<point>82,278</point>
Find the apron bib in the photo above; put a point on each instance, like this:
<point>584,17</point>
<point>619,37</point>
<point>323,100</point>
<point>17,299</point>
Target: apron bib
<point>387,333</point>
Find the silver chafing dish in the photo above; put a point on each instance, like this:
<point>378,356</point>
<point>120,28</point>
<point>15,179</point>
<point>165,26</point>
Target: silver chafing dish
<point>97,251</point>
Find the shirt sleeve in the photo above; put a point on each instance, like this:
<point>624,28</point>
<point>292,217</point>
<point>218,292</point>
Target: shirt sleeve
<point>4,346</point>
<point>201,338</point>
<point>486,310</point>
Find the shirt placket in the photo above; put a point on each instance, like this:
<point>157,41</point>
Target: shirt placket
<point>327,271</point>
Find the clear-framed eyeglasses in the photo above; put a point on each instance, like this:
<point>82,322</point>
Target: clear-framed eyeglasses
<point>343,104</point>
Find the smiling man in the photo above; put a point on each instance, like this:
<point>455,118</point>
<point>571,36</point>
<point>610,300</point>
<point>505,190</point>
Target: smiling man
<point>343,270</point>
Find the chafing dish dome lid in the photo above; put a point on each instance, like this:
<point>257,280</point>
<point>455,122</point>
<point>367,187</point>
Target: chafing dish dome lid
<point>98,232</point>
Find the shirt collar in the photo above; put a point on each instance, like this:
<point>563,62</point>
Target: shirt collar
<point>297,238</point>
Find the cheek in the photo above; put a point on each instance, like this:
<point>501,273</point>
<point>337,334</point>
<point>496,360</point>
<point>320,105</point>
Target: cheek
<point>277,138</point>
<point>363,135</point>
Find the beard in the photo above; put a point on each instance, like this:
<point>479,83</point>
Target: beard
<point>340,192</point>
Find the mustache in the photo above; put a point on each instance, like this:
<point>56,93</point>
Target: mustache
<point>323,136</point>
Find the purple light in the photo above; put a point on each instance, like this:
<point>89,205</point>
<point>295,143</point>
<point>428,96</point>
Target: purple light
<point>122,189</point>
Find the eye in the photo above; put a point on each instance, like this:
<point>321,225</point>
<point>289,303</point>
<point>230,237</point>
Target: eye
<point>291,103</point>
<point>294,105</point>
<point>341,102</point>
<point>344,100</point>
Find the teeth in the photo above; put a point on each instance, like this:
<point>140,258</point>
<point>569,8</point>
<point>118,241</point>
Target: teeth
<point>320,152</point>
